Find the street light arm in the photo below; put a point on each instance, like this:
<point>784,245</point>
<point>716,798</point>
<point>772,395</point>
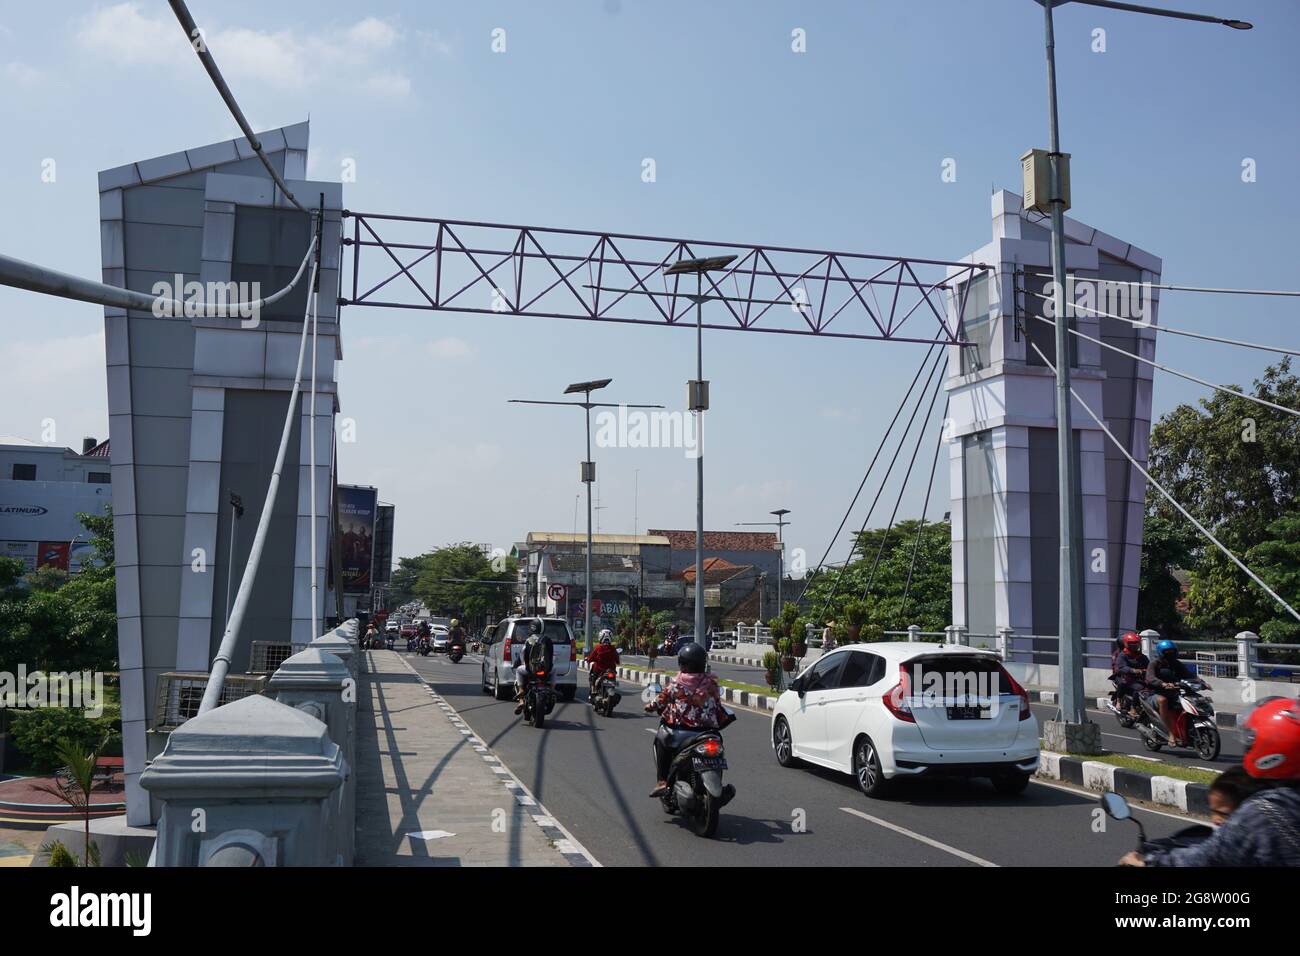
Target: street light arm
<point>1157,11</point>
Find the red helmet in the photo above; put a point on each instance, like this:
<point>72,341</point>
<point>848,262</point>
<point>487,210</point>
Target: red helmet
<point>1271,734</point>
<point>1132,642</point>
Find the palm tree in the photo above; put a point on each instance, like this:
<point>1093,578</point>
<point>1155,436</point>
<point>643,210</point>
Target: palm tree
<point>74,782</point>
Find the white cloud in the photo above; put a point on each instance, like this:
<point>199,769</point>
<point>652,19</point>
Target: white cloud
<point>450,348</point>
<point>23,74</point>
<point>355,56</point>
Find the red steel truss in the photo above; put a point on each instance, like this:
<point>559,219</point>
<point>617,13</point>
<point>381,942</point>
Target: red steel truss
<point>478,267</point>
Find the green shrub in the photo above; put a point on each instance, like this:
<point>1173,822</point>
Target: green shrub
<point>39,732</point>
<point>60,855</point>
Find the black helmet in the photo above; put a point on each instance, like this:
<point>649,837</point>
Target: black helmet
<point>691,658</point>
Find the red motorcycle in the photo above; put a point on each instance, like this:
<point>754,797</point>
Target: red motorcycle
<point>604,693</point>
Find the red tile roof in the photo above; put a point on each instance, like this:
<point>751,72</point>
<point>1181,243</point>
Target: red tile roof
<point>721,540</point>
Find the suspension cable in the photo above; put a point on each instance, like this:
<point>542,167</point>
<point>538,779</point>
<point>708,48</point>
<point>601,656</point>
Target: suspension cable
<point>35,278</point>
<point>1173,501</point>
<point>1181,288</point>
<point>229,640</point>
<point>1142,324</point>
<point>879,491</point>
<point>902,488</point>
<point>199,44</point>
<point>1173,371</point>
<point>916,546</point>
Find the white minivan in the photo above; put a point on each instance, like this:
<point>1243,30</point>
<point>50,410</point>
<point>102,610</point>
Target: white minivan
<point>500,651</point>
<point>894,710</point>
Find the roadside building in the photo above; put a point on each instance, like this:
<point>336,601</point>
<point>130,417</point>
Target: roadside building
<point>42,490</point>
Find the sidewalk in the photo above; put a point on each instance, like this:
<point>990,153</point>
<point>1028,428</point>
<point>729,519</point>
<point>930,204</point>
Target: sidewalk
<point>430,793</point>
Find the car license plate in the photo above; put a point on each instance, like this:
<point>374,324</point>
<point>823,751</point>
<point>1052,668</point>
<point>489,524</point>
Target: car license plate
<point>969,713</point>
<point>709,763</point>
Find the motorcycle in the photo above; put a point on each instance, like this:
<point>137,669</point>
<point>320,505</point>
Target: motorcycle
<point>539,700</point>
<point>455,652</point>
<point>423,645</point>
<point>1117,808</point>
<point>1192,715</point>
<point>695,787</point>
<point>412,643</point>
<point>1116,704</point>
<point>604,693</point>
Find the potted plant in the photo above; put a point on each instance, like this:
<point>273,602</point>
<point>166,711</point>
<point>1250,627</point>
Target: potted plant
<point>854,616</point>
<point>771,661</point>
<point>787,658</point>
<point>799,638</point>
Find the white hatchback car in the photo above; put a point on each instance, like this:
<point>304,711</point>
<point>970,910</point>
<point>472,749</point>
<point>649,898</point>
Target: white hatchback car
<point>891,710</point>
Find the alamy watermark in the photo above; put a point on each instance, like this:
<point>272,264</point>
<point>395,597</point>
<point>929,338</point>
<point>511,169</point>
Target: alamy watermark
<point>1090,297</point>
<point>634,428</point>
<point>241,300</point>
<point>76,690</point>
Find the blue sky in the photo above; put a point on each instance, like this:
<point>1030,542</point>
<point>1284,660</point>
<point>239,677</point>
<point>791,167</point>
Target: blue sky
<point>837,147</point>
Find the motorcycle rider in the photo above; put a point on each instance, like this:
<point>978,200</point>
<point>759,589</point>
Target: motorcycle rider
<point>1129,671</point>
<point>1163,674</point>
<point>536,654</point>
<point>455,635</point>
<point>1265,829</point>
<point>689,704</point>
<point>602,657</point>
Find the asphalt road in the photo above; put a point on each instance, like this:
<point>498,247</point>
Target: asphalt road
<point>593,774</point>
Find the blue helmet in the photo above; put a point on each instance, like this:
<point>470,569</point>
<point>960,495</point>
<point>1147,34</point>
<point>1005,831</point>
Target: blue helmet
<point>1164,647</point>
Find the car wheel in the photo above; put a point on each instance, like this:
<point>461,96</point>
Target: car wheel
<point>783,744</point>
<point>1011,784</point>
<point>568,693</point>
<point>867,770</point>
<point>498,692</point>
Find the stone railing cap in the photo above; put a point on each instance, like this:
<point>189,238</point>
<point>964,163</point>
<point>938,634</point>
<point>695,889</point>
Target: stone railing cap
<point>315,667</point>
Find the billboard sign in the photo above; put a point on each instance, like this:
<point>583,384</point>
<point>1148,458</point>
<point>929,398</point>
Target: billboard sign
<point>356,531</point>
<point>383,570</point>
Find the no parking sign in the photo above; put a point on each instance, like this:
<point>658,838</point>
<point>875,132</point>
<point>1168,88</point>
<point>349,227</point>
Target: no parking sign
<point>555,592</point>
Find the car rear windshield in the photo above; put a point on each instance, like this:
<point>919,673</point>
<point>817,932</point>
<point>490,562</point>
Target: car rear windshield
<point>557,631</point>
<point>959,675</point>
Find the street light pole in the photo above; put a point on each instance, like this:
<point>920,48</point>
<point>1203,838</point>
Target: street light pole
<point>697,392</point>
<point>780,523</point>
<point>1073,730</point>
<point>588,471</point>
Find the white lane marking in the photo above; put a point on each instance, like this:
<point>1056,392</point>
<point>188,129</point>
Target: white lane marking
<point>1084,793</point>
<point>969,857</point>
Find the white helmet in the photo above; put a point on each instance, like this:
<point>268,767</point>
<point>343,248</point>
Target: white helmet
<point>606,636</point>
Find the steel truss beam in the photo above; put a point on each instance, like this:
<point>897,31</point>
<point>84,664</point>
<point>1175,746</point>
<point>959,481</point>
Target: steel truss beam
<point>491,268</point>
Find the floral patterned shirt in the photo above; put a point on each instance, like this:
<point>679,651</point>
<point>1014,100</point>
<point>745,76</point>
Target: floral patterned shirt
<point>692,701</point>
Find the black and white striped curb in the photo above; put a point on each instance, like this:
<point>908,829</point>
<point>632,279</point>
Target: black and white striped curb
<point>741,698</point>
<point>736,659</point>
<point>1228,720</point>
<point>1193,798</point>
<point>572,851</point>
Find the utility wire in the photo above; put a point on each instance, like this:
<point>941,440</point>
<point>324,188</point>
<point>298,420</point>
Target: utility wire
<point>916,546</point>
<point>199,44</point>
<point>34,278</point>
<point>1180,288</point>
<point>230,639</point>
<point>1141,324</point>
<point>1173,501</point>
<point>902,488</point>
<point>1173,371</point>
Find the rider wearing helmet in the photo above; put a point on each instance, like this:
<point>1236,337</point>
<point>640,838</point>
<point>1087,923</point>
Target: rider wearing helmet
<point>535,654</point>
<point>1128,671</point>
<point>455,634</point>
<point>1163,674</point>
<point>1265,829</point>
<point>690,703</point>
<point>602,657</point>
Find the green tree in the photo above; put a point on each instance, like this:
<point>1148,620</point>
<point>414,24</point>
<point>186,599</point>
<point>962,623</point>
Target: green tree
<point>448,582</point>
<point>407,572</point>
<point>1168,545</point>
<point>878,577</point>
<point>1277,560</point>
<point>1236,467</point>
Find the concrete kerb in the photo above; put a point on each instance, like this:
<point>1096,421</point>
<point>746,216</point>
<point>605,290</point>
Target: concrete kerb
<point>1181,795</point>
<point>765,703</point>
<point>572,851</point>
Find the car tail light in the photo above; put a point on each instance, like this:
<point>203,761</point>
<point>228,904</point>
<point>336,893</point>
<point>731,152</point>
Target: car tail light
<point>1018,691</point>
<point>895,699</point>
<point>505,650</point>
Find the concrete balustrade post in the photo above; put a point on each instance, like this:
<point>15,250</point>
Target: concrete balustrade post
<point>913,633</point>
<point>251,783</point>
<point>1247,655</point>
<point>1149,639</point>
<point>318,682</point>
<point>340,648</point>
<point>1005,644</point>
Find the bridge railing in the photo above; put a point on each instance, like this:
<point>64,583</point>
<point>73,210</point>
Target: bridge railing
<point>268,778</point>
